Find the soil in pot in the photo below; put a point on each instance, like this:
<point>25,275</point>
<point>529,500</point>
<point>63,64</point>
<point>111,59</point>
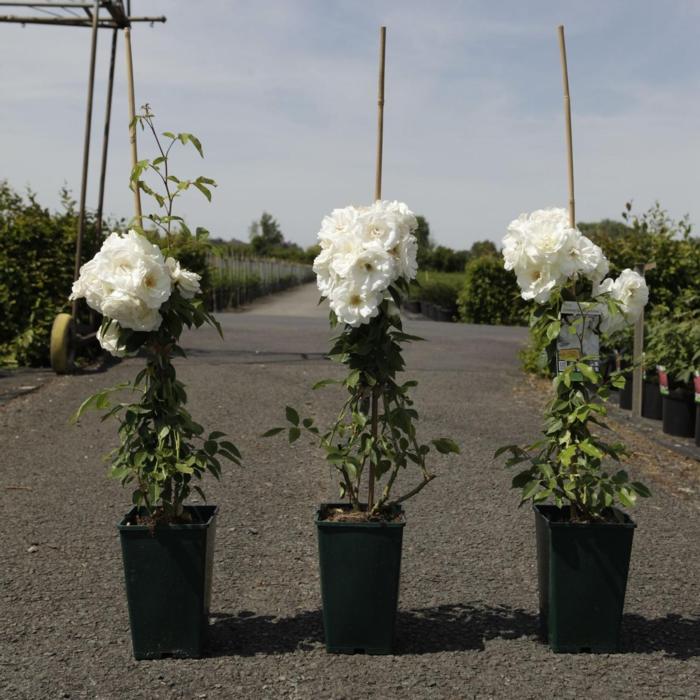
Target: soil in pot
<point>168,573</point>
<point>678,411</point>
<point>360,564</point>
<point>582,573</point>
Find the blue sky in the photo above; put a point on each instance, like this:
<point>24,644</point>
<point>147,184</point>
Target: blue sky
<point>282,94</point>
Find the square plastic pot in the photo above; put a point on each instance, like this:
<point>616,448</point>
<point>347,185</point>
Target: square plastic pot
<point>582,572</point>
<point>651,400</point>
<point>168,575</point>
<point>360,566</point>
<point>678,410</point>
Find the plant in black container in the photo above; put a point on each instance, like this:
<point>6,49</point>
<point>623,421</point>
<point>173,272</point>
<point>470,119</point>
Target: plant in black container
<point>368,257</point>
<point>146,300</point>
<point>584,541</point>
<point>674,342</point>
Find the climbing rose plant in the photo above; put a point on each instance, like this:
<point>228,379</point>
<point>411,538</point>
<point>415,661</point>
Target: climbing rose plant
<point>146,300</point>
<point>555,263</point>
<point>367,259</point>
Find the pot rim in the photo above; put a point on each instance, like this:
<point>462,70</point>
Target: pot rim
<point>213,511</point>
<point>364,525</point>
<point>537,507</point>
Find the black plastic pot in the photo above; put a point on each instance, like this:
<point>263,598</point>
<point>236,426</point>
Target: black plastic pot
<point>697,424</point>
<point>625,394</point>
<point>360,569</point>
<point>168,584</point>
<point>412,305</point>
<point>651,400</point>
<point>582,571</point>
<point>443,314</point>
<point>679,413</point>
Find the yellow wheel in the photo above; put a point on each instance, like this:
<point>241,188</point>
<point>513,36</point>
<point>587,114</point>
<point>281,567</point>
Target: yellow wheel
<point>63,344</point>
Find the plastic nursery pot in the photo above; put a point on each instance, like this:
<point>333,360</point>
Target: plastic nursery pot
<point>582,571</point>
<point>625,395</point>
<point>651,400</point>
<point>168,576</point>
<point>678,411</point>
<point>697,424</point>
<point>360,565</point>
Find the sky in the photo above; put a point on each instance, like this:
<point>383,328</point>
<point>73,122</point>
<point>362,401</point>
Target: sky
<point>283,96</point>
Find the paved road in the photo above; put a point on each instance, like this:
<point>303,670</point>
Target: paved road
<point>467,624</point>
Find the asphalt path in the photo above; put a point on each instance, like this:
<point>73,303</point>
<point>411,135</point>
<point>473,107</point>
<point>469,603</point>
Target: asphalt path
<point>467,626</point>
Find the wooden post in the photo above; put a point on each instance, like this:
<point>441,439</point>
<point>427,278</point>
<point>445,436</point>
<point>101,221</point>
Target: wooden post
<point>638,351</point>
<point>567,119</point>
<point>132,124</point>
<point>377,195</point>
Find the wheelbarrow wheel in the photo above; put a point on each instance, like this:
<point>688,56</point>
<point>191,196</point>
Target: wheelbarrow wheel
<point>63,344</point>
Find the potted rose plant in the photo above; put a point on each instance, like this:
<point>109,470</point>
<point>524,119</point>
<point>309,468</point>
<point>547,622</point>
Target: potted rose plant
<point>367,258</point>
<point>584,540</point>
<point>146,299</point>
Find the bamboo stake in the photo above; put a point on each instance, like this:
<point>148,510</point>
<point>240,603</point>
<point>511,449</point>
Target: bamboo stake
<point>377,195</point>
<point>380,114</point>
<point>132,124</point>
<point>567,118</point>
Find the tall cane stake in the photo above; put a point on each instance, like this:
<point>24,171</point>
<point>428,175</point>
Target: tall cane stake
<point>567,118</point>
<point>377,195</point>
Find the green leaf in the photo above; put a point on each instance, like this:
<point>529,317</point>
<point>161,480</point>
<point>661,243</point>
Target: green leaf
<point>446,446</point>
<point>292,415</point>
<point>272,431</point>
<point>294,434</point>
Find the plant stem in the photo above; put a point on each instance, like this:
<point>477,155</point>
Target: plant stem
<point>375,431</point>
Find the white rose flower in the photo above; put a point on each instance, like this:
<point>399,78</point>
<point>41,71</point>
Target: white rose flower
<point>372,269</point>
<point>354,306</point>
<point>406,253</point>
<point>131,312</point>
<point>127,266</point>
<point>187,282</point>
<point>536,282</point>
<point>631,290</point>
<point>109,340</point>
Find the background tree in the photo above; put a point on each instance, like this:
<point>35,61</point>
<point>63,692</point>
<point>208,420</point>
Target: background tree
<point>265,235</point>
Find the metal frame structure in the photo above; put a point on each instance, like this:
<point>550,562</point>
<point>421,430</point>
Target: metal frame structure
<point>116,15</point>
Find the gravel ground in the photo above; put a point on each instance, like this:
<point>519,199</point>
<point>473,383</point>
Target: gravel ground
<point>468,609</point>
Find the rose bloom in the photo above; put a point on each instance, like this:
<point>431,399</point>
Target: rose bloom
<point>364,250</point>
<point>109,340</point>
<point>186,281</point>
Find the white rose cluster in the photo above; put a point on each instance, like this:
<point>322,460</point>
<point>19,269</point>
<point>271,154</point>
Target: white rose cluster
<point>128,281</point>
<point>544,251</point>
<point>363,251</point>
<point>632,294</point>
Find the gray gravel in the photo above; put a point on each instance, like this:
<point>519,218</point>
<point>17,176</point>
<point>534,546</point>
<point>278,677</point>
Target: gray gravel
<point>468,608</point>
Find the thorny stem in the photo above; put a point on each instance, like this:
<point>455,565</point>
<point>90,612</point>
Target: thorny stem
<point>375,431</point>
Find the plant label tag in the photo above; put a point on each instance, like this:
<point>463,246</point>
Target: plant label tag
<point>578,336</point>
<point>663,380</point>
<point>696,381</point>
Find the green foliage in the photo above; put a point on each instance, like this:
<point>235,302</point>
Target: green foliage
<point>490,294</point>
<point>425,244</point>
<point>439,288</point>
<point>375,430</point>
<point>673,339</point>
<point>652,237</point>
<point>162,449</point>
<point>567,465</point>
<point>445,259</point>
<point>37,257</point>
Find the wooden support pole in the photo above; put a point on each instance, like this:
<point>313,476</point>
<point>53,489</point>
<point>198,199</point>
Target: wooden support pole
<point>374,405</point>
<point>567,119</point>
<point>132,125</point>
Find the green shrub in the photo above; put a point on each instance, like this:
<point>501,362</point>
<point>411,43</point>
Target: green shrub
<point>439,288</point>
<point>37,250</point>
<point>490,294</point>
